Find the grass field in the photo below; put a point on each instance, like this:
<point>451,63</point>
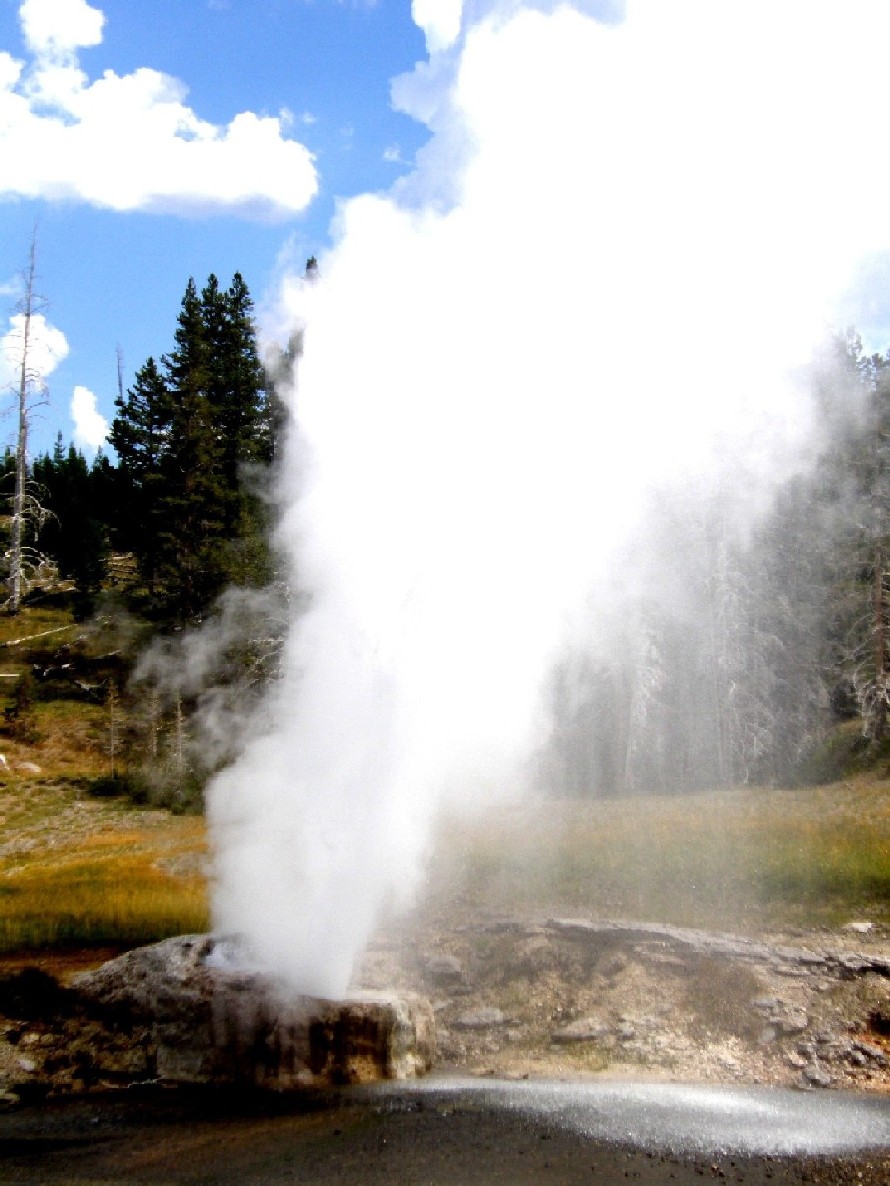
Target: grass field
<point>78,870</point>
<point>746,860</point>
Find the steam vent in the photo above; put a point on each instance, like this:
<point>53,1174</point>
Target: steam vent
<point>193,1017</point>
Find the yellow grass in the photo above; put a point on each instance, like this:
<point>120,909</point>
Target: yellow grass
<point>34,621</point>
<point>81,872</point>
<point>75,870</point>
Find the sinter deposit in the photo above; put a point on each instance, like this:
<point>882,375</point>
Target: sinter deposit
<point>182,1011</point>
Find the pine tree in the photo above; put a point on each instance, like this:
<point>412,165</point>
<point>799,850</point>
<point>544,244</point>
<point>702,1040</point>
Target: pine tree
<point>74,533</point>
<point>139,434</point>
<point>190,542</point>
<point>194,438</point>
<point>238,397</point>
<point>236,383</point>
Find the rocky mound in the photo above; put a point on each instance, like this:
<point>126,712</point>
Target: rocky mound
<point>569,997</point>
<point>181,1012</point>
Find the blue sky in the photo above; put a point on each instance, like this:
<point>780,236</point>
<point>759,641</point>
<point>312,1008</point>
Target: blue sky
<point>114,277</point>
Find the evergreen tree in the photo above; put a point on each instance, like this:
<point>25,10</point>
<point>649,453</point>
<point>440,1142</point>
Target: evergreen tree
<point>139,435</point>
<point>193,437</point>
<point>240,403</point>
<point>74,533</point>
<point>190,542</point>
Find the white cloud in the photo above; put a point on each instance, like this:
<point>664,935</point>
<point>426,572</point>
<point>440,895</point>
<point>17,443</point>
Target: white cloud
<point>131,142</point>
<point>440,21</point>
<point>59,27</point>
<point>392,154</point>
<point>47,347</point>
<point>10,71</point>
<point>90,427</point>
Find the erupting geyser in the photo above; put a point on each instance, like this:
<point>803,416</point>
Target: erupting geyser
<point>624,235</point>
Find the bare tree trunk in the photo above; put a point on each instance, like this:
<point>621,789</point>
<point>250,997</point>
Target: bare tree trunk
<point>154,718</point>
<point>879,597</point>
<point>112,728</point>
<point>16,556</point>
<point>880,650</point>
<point>179,763</point>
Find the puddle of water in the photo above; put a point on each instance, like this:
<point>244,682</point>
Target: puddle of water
<point>680,1117</point>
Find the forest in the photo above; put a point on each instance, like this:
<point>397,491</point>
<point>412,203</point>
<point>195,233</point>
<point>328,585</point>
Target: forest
<point>746,647</point>
<point>142,543</point>
<point>736,646</point>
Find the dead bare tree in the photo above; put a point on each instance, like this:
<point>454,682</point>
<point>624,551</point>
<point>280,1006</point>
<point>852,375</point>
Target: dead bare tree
<point>30,392</point>
<point>870,653</point>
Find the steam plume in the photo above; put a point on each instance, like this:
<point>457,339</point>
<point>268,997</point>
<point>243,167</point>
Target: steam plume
<point>618,246</point>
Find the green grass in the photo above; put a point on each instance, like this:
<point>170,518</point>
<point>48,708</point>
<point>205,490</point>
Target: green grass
<point>35,620</point>
<point>742,860</point>
<point>77,870</point>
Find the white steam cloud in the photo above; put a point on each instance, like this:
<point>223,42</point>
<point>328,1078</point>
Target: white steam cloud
<point>130,142</point>
<point>621,241</point>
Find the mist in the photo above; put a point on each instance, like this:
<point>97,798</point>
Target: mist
<point>603,278</point>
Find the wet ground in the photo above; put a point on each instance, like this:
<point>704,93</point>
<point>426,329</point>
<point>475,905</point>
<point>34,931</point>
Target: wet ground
<point>454,1131</point>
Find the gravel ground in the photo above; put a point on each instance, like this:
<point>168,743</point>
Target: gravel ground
<point>564,1001</point>
<point>576,998</point>
<point>176,1137</point>
<point>518,998</point>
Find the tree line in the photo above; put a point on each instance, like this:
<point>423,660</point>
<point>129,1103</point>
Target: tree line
<point>736,647</point>
<point>746,648</point>
<point>169,533</point>
<point>194,438</point>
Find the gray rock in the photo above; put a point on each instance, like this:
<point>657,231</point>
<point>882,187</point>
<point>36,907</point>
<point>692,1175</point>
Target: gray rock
<point>205,1020</point>
<point>851,965</point>
<point>481,1019</point>
<point>875,1053</point>
<point>587,1029</point>
<point>815,1075</point>
<point>795,1021</point>
<point>659,942</point>
<point>444,969</point>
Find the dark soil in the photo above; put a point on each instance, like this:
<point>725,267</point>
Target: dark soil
<point>156,1136</point>
<point>660,1010</point>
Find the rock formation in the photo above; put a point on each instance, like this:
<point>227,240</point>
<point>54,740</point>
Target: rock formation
<point>180,1011</point>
